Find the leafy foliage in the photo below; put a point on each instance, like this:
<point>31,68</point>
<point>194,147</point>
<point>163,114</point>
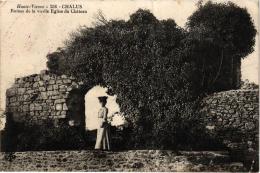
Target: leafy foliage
<point>155,68</point>
<point>219,36</point>
<point>45,136</point>
<point>248,85</point>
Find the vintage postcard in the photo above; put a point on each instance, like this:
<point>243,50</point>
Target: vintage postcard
<point>130,85</point>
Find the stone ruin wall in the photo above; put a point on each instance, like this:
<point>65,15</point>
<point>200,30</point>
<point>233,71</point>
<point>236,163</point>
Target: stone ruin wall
<point>233,116</point>
<point>44,96</point>
<point>40,97</point>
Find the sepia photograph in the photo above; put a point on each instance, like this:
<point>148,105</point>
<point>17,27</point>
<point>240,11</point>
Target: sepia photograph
<point>129,86</point>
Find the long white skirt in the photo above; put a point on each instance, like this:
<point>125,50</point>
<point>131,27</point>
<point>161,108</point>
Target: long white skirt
<point>103,138</point>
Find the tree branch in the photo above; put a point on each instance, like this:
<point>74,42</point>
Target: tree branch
<point>219,69</point>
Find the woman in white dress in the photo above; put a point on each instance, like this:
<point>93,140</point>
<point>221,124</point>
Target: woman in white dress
<point>103,141</point>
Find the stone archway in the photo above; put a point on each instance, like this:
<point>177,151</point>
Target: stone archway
<point>52,101</point>
<point>76,108</point>
<point>92,106</point>
<point>47,96</point>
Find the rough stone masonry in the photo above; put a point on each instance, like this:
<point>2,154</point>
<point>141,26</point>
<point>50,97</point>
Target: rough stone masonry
<point>38,97</point>
<point>43,96</point>
<point>132,160</point>
<point>234,111</point>
<point>231,116</point>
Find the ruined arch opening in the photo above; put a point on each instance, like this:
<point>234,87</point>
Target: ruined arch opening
<point>92,106</point>
<point>83,106</point>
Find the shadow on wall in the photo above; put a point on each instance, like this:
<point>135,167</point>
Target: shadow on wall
<point>47,136</point>
<point>76,107</point>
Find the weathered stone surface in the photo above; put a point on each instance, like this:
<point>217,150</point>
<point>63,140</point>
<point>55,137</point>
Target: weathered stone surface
<point>237,119</point>
<point>48,95</point>
<point>230,111</point>
<point>21,90</point>
<point>58,107</point>
<point>35,95</point>
<point>132,160</point>
<point>65,108</point>
<point>52,82</point>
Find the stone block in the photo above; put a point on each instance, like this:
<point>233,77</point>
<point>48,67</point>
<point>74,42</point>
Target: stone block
<point>65,108</point>
<point>37,78</point>
<point>41,83</point>
<point>212,112</point>
<point>214,101</point>
<point>58,113</point>
<point>59,81</point>
<point>64,113</point>
<point>26,108</point>
<point>14,104</point>
<point>74,85</point>
<point>42,89</point>
<point>49,101</point>
<point>69,88</point>
<point>58,107</point>
<point>20,80</point>
<point>66,81</point>
<point>72,78</point>
<point>44,95</point>
<point>62,86</point>
<point>247,105</point>
<point>30,91</point>
<point>31,78</point>
<point>20,98</point>
<point>256,117</point>
<point>55,92</point>
<point>61,116</point>
<point>236,123</point>
<point>231,111</point>
<point>11,92</point>
<point>52,82</point>
<point>38,108</point>
<point>46,77</point>
<point>60,101</point>
<point>12,99</point>
<point>35,84</point>
<point>250,108</point>
<point>249,126</point>
<point>62,89</point>
<point>27,84</point>
<point>46,107</point>
<point>49,93</point>
<point>63,76</point>
<point>50,88</point>
<point>43,114</point>
<point>55,87</point>
<point>55,97</point>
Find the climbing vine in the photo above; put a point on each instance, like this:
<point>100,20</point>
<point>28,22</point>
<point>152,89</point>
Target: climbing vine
<point>154,68</point>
